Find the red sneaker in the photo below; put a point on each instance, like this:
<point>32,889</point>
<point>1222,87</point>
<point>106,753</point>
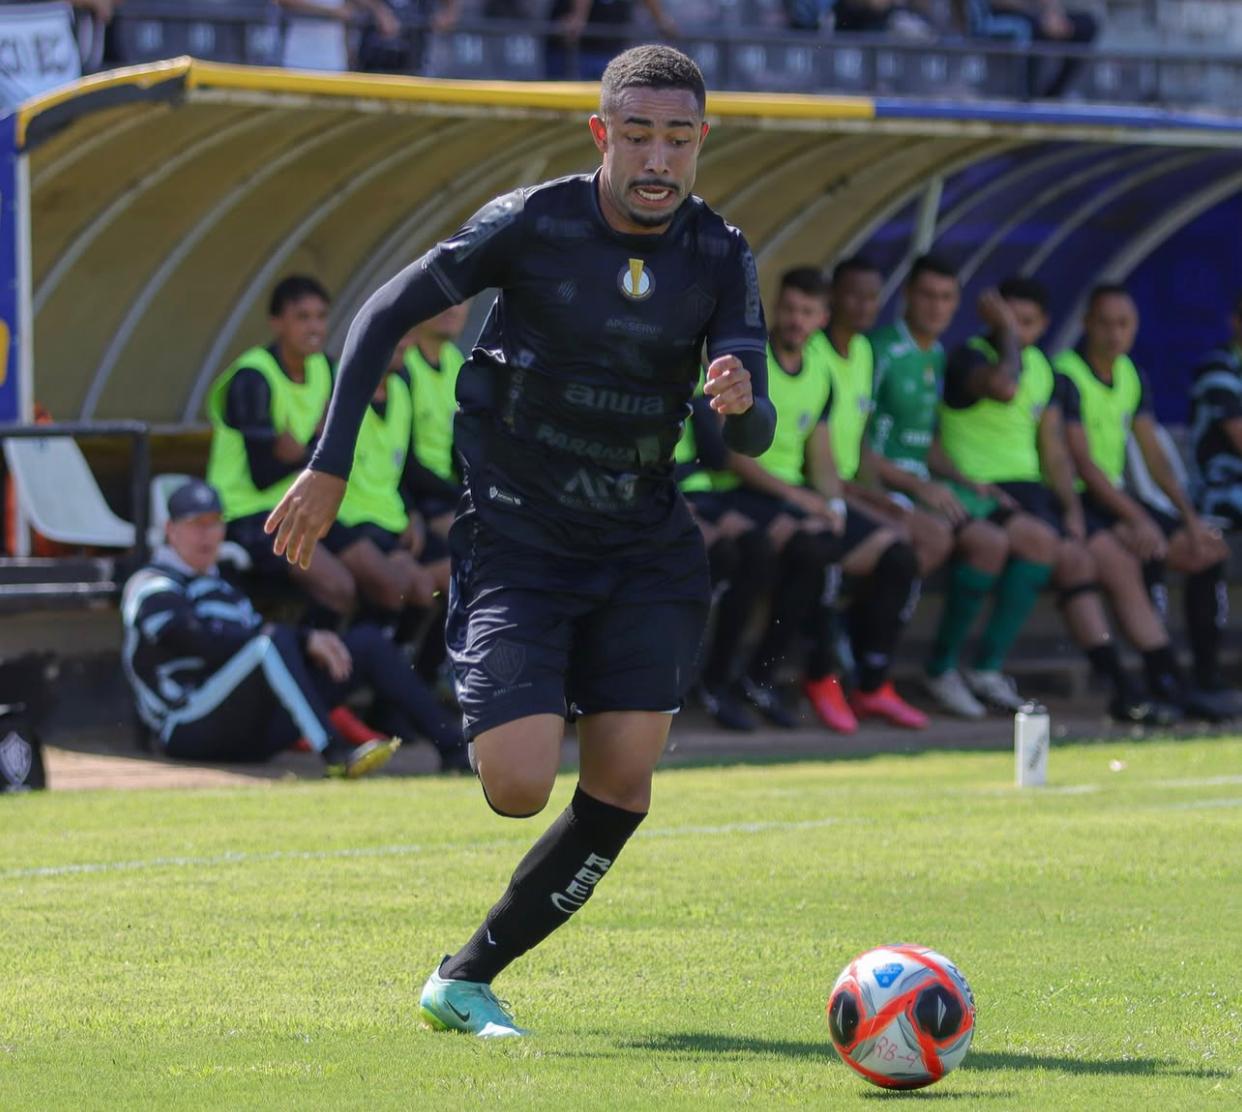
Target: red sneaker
<point>884,702</point>
<point>829,702</point>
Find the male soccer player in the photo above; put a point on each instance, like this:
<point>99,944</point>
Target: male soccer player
<point>1216,426</point>
<point>1106,398</point>
<point>579,583</point>
<point>1013,559</point>
<point>1000,424</point>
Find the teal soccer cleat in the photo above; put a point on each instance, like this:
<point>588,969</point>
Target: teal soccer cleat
<point>468,1006</point>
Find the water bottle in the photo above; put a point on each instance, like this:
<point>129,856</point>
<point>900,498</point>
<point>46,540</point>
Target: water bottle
<point>1031,735</point>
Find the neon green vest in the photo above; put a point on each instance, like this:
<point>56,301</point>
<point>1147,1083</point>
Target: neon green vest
<point>435,403</point>
<point>997,442</point>
<point>1107,410</point>
<point>851,398</point>
<point>296,409</point>
<point>374,491</point>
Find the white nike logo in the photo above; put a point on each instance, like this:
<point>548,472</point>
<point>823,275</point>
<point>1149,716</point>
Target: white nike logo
<point>490,940</point>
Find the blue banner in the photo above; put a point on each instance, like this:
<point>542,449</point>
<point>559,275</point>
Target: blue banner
<point>10,289</point>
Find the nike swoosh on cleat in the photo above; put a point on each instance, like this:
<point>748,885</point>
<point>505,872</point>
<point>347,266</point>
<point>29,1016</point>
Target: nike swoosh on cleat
<point>463,1016</point>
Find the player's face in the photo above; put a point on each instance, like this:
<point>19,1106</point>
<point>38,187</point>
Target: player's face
<point>931,301</point>
<point>302,326</point>
<point>1030,319</point>
<point>197,540</point>
<point>798,316</point>
<point>1111,325</point>
<point>650,141</point>
<point>856,300</point>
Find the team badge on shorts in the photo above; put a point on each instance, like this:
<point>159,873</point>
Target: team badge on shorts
<point>636,281</point>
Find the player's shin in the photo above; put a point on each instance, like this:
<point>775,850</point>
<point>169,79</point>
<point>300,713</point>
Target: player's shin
<point>555,878</point>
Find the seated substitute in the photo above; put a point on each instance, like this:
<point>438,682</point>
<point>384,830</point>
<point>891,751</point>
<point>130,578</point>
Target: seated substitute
<point>374,535</point>
<point>266,411</point>
<point>1011,561</point>
<point>1106,399</point>
<point>433,361</point>
<point>214,682</point>
<point>741,562</point>
<point>794,491</point>
<point>1001,425</point>
<point>1216,427</point>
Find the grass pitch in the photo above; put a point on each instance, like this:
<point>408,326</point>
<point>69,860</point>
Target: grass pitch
<point>264,948</point>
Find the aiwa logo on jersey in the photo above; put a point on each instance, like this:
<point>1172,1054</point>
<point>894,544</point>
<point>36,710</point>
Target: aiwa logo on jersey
<point>636,281</point>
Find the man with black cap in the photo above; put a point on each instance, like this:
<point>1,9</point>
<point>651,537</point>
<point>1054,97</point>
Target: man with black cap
<point>214,682</point>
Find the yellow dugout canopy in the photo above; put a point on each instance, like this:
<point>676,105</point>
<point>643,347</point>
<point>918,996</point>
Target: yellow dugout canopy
<point>157,206</point>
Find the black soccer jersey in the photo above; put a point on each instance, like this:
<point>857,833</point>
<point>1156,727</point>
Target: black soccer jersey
<point>1215,400</point>
<point>572,401</point>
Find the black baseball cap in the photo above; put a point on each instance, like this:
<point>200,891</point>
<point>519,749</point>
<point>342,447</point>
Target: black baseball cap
<point>193,498</point>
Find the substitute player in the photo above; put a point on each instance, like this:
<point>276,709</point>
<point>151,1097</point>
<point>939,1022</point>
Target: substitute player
<point>580,584</point>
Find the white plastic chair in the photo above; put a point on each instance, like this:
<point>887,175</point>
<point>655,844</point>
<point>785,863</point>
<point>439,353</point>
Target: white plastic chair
<point>59,496</point>
<point>162,487</point>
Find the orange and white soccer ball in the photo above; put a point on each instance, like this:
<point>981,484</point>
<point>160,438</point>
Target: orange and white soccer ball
<point>901,1015</point>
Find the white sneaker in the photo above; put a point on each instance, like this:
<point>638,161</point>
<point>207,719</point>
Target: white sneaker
<point>994,688</point>
<point>951,692</point>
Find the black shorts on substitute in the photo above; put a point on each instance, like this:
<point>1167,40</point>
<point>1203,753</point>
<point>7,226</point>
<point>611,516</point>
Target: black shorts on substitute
<point>532,632</point>
<point>1034,499</point>
<point>763,509</point>
<point>1099,517</point>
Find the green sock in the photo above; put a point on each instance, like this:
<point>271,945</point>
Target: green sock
<point>968,587</point>
<point>1019,587</point>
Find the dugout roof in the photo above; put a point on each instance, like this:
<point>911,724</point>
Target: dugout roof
<point>166,200</point>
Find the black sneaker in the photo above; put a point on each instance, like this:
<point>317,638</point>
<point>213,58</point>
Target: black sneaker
<point>767,701</point>
<point>1140,711</point>
<point>724,707</point>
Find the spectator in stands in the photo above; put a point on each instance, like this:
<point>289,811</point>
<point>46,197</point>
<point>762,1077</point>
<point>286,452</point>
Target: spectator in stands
<point>317,31</point>
<point>913,19</point>
<point>795,491</point>
<point>265,411</point>
<point>741,560</point>
<point>1216,426</point>
<point>1011,557</point>
<point>1001,424</point>
<point>432,361</point>
<point>573,52</point>
<point>1023,22</point>
<point>214,682</point>
<point>405,51</point>
<point>374,535</point>
<point>1105,399</point>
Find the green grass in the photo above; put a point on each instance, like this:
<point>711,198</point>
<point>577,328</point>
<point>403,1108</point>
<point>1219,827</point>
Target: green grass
<point>264,948</point>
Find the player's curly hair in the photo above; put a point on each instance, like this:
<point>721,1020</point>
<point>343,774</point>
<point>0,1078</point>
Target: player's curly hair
<point>651,67</point>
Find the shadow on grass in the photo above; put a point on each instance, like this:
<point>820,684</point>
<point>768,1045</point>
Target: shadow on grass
<point>690,1044</point>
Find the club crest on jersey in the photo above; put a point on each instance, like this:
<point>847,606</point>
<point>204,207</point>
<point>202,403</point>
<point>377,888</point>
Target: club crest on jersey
<point>636,281</point>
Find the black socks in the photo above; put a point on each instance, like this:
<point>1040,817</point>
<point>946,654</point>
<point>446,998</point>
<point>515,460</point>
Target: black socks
<point>877,618</point>
<point>553,880</point>
<point>1207,613</point>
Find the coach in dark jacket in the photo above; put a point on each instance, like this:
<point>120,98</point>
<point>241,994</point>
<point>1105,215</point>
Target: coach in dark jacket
<point>214,682</point>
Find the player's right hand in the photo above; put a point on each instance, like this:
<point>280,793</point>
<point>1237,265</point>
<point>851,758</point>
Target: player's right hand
<point>1149,542</point>
<point>994,311</point>
<point>327,651</point>
<point>938,497</point>
<point>304,515</point>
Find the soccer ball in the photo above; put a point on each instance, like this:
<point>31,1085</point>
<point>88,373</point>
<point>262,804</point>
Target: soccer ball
<point>901,1015</point>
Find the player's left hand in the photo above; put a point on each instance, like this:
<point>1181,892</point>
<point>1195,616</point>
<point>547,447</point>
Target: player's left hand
<point>728,386</point>
<point>304,515</point>
<point>1204,539</point>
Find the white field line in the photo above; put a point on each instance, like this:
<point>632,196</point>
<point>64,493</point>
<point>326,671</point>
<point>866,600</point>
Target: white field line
<point>411,850</point>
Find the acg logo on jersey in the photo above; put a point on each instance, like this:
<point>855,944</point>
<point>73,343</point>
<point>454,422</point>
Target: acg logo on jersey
<point>636,281</point>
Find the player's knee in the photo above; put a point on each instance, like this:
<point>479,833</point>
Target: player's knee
<point>935,542</point>
<point>388,592</point>
<point>514,793</point>
<point>1032,540</point>
<point>1074,564</point>
<point>335,590</point>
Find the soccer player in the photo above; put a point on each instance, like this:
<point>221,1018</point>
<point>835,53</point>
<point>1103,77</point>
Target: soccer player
<point>1011,559</point>
<point>1000,424</point>
<point>580,583</point>
<point>266,411</point>
<point>1216,426</point>
<point>1106,398</point>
